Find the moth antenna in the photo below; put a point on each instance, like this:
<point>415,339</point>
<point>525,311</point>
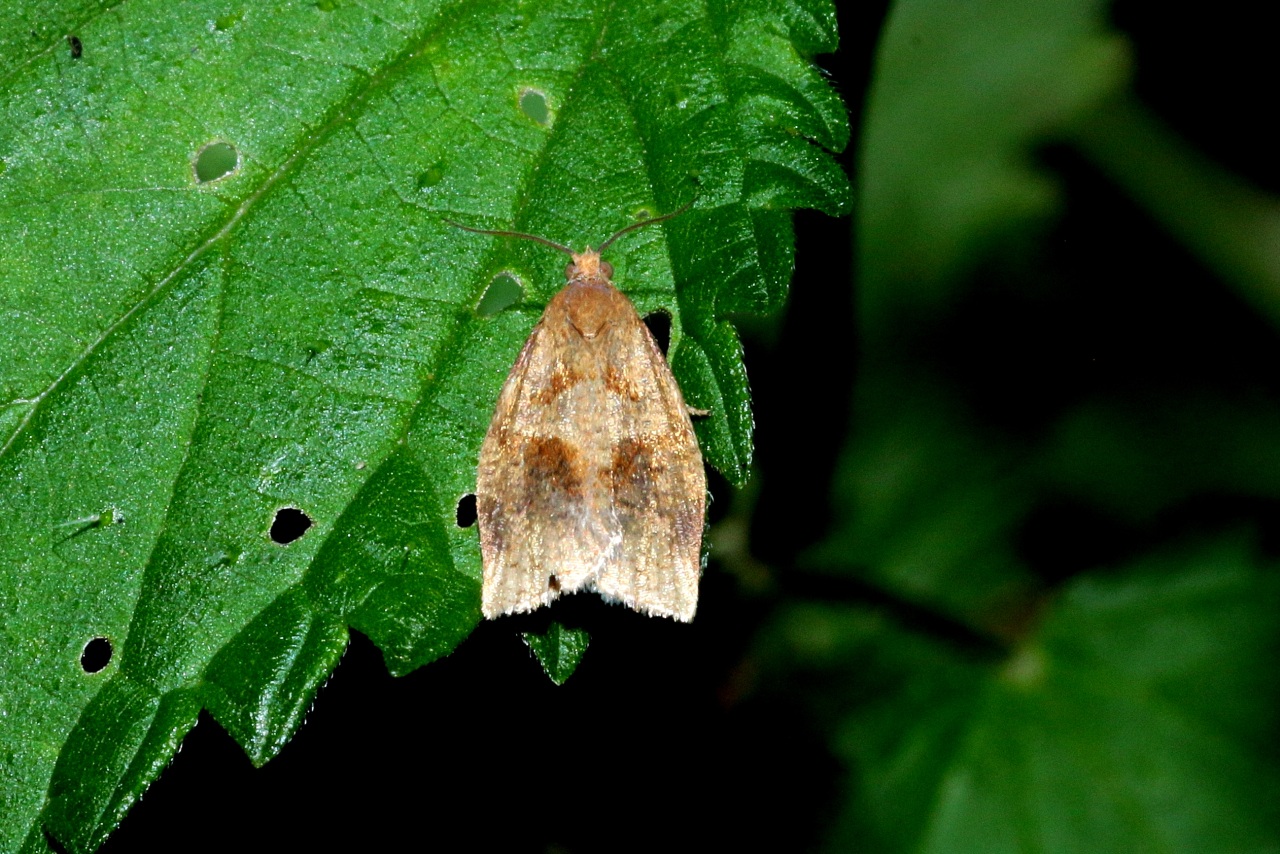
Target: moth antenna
<point>565,249</point>
<point>650,221</point>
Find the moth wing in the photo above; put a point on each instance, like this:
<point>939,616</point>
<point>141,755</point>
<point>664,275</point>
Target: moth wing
<point>656,482</point>
<point>537,499</point>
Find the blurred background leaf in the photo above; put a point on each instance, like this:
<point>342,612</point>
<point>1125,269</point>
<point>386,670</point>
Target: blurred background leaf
<point>1043,615</point>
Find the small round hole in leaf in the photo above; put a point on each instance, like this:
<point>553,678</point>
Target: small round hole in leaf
<point>659,323</point>
<point>503,291</point>
<point>96,655</point>
<point>290,524</point>
<point>534,105</point>
<point>430,176</point>
<point>216,160</point>
<point>77,46</point>
<point>227,21</point>
<point>466,512</point>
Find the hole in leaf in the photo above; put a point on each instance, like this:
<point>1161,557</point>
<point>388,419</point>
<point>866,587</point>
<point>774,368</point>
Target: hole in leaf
<point>430,176</point>
<point>77,46</point>
<point>290,524</point>
<point>216,160</point>
<point>503,291</point>
<point>227,21</point>
<point>659,323</point>
<point>466,512</point>
<point>534,105</point>
<point>96,655</point>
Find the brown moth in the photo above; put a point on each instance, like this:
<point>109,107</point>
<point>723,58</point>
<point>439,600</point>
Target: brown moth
<point>590,476</point>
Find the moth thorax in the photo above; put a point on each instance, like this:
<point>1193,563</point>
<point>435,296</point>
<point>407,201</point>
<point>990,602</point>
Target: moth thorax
<point>587,265</point>
<point>590,306</point>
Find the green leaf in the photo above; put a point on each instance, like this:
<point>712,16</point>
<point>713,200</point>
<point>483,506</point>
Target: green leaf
<point>187,350</point>
<point>992,685</point>
<point>961,96</point>
<point>1139,716</point>
<point>559,650</point>
<point>928,506</point>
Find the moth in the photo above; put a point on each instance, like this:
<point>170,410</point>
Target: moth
<point>590,477</point>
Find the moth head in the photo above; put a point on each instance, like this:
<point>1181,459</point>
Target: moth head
<point>587,265</point>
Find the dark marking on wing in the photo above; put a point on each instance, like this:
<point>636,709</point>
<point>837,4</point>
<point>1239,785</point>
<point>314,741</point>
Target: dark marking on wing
<point>632,474</point>
<point>551,465</point>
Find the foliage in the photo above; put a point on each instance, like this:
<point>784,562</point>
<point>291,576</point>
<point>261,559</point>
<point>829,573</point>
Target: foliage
<point>1049,611</point>
<point>229,297</point>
